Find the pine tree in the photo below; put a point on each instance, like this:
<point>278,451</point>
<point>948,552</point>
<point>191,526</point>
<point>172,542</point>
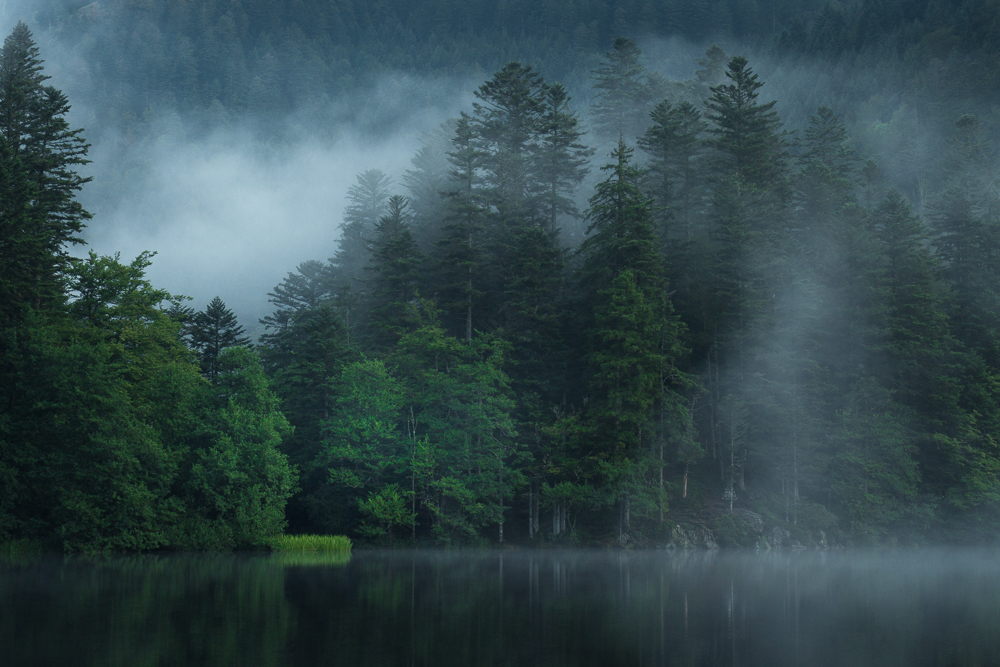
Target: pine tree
<point>298,292</point>
<point>39,153</point>
<point>633,335</point>
<point>711,67</point>
<point>965,218</point>
<point>395,261</point>
<point>916,335</point>
<point>561,160</point>
<point>428,181</point>
<point>507,120</point>
<point>460,250</point>
<point>366,204</point>
<point>212,331</point>
<point>622,93</point>
<point>748,135</point>
<point>674,145</point>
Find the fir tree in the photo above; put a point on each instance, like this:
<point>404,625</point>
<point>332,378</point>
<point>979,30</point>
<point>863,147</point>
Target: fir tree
<point>674,145</point>
<point>747,134</point>
<point>298,292</point>
<point>622,92</point>
<point>507,120</point>
<point>965,218</point>
<point>394,261</point>
<point>366,204</point>
<point>39,154</point>
<point>561,158</point>
<point>212,331</point>
<point>633,335</point>
<point>460,250</point>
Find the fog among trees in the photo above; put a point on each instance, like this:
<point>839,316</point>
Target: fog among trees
<point>576,273</point>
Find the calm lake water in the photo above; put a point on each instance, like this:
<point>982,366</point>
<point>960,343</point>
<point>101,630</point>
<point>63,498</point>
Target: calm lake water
<point>439,608</point>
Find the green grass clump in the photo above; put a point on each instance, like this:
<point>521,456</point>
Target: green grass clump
<point>304,543</point>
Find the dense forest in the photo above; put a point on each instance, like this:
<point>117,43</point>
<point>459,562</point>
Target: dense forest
<point>677,310</point>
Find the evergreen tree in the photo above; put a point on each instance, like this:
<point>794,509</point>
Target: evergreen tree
<point>366,204</point>
<point>711,68</point>
<point>38,182</point>
<point>965,218</point>
<point>298,292</point>
<point>561,158</point>
<point>623,94</point>
<point>674,145</point>
<point>213,330</point>
<point>633,335</point>
<point>428,181</point>
<point>507,120</point>
<point>305,357</point>
<point>460,250</point>
<point>395,261</point>
<point>748,134</point>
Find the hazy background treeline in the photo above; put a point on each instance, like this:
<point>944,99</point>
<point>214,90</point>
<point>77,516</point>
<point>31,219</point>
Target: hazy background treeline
<point>776,307</point>
<point>186,101</point>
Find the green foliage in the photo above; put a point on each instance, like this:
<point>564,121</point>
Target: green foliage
<point>734,324</point>
<point>394,262</point>
<point>464,454</point>
<point>384,510</point>
<point>211,331</point>
<point>731,531</point>
<point>239,484</point>
<point>39,155</point>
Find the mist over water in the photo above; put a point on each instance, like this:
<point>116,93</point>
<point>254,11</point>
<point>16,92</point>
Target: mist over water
<point>856,608</point>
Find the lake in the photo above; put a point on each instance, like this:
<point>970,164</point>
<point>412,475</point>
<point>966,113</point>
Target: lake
<point>575,607</point>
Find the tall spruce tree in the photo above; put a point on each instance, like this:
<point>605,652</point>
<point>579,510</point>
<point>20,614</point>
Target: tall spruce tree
<point>394,263</point>
<point>366,204</point>
<point>633,335</point>
<point>39,155</point>
<point>748,135</point>
<point>507,119</point>
<point>212,331</point>
<point>460,251</point>
<point>674,145</point>
<point>561,160</point>
<point>965,219</point>
<point>623,94</point>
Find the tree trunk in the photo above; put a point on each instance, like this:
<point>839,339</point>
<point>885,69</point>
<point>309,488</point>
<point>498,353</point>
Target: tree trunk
<point>531,508</point>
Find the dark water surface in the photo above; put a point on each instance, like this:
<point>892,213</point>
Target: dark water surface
<point>930,607</point>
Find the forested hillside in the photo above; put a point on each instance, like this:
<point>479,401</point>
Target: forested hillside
<point>588,313</point>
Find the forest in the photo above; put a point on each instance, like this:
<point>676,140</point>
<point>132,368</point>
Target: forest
<point>666,313</point>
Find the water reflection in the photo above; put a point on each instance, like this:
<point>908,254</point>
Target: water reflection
<point>510,608</point>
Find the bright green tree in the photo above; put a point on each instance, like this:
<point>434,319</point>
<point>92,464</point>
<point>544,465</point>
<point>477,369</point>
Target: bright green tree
<point>465,458</point>
<point>238,485</point>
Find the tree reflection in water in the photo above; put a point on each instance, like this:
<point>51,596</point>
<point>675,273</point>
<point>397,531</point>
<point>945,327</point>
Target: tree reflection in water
<point>504,608</point>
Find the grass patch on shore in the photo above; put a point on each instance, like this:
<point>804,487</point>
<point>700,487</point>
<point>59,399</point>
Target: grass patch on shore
<point>311,543</point>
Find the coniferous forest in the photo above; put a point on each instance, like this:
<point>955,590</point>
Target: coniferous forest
<point>626,309</point>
